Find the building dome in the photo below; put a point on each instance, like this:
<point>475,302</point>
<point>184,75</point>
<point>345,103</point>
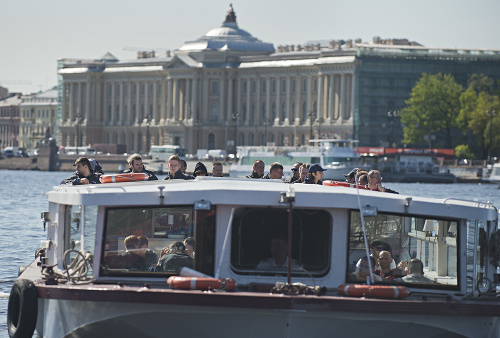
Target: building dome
<point>228,37</point>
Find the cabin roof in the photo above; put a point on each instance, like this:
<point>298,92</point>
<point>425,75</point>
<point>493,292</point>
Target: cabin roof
<point>263,193</point>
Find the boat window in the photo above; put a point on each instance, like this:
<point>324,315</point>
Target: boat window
<point>157,240</point>
<point>259,242</point>
<point>80,228</point>
<point>284,160</point>
<point>415,250</point>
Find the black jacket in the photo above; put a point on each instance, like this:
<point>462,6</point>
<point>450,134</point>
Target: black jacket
<point>75,179</point>
<point>253,175</point>
<point>151,175</point>
<point>178,176</point>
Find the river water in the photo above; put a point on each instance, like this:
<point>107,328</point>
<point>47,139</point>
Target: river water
<point>23,199</point>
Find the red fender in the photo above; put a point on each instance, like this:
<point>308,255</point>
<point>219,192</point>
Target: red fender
<point>196,283</point>
<point>375,291</point>
<point>343,184</point>
<point>132,177</point>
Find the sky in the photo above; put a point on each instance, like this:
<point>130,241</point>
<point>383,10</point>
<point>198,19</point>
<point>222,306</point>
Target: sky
<point>35,34</point>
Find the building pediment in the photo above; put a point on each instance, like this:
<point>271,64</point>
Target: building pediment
<point>181,62</point>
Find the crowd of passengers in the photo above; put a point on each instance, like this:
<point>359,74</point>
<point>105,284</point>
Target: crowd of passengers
<point>138,256</point>
<point>384,268</point>
<point>89,172</point>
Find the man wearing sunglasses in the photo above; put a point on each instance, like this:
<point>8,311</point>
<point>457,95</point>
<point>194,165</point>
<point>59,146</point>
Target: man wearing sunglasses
<point>295,173</point>
<point>376,247</point>
<point>375,182</point>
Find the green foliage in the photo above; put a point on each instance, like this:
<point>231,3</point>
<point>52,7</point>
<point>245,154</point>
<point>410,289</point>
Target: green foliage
<point>463,151</point>
<point>433,106</point>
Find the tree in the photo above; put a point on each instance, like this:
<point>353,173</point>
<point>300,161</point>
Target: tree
<point>433,107</point>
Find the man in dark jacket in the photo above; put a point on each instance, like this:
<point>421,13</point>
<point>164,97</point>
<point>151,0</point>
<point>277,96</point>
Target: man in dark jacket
<point>258,169</point>
<point>83,174</point>
<point>136,166</point>
<point>174,165</point>
<point>175,258</point>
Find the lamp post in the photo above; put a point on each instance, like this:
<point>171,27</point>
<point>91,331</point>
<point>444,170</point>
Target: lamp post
<point>320,121</point>
<point>266,122</point>
<point>312,115</point>
<point>78,138</point>
<point>234,117</point>
<point>392,114</point>
<point>198,125</point>
<point>490,114</point>
<point>148,122</point>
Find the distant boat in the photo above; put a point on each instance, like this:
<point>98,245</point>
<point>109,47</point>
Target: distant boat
<point>338,156</point>
<point>494,176</point>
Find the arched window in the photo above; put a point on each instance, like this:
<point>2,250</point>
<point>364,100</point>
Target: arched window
<point>117,115</point>
<point>273,115</point>
<point>264,111</point>
<point>251,140</point>
<point>214,112</point>
<point>283,111</point>
<point>109,114</point>
<point>252,113</point>
<point>242,140</point>
<point>304,111</point>
<point>134,113</point>
<point>124,138</point>
<point>211,141</point>
<point>115,138</point>
<point>292,114</point>
<point>141,117</point>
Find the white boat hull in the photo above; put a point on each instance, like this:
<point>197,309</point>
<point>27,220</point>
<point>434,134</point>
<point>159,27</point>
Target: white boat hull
<point>66,318</point>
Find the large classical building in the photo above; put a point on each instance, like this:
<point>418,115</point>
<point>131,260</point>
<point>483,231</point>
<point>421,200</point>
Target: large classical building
<point>228,88</point>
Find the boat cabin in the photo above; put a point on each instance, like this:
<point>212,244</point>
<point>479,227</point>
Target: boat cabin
<point>241,231</point>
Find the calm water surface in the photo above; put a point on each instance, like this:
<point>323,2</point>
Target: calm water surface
<point>23,199</point>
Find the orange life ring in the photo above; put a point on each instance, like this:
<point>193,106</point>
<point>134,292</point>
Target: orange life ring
<point>196,283</point>
<point>132,177</point>
<point>376,291</point>
<point>343,184</point>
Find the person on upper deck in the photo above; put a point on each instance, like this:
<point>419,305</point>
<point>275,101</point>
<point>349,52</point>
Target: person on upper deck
<point>351,176</point>
<point>295,173</point>
<point>315,174</point>
<point>217,170</point>
<point>275,172</point>
<point>375,182</point>
<point>303,171</point>
<point>258,169</point>
<point>200,170</point>
<point>174,165</point>
<point>136,166</point>
<point>83,174</point>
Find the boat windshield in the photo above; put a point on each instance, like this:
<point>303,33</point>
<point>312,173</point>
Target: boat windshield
<point>260,237</point>
<point>406,250</point>
<point>156,240</point>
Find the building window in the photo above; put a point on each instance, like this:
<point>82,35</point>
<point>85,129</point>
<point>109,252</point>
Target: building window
<point>273,116</point>
<point>252,113</point>
<point>263,111</point>
<point>117,115</point>
<point>215,87</point>
<point>109,114</point>
<point>264,83</point>
<point>244,87</point>
<point>118,90</point>
<point>315,85</point>
<point>254,86</point>
<point>283,86</point>
<point>214,112</point>
<point>293,85</point>
<point>244,112</point>
<point>274,85</point>
<point>304,85</point>
<point>211,141</point>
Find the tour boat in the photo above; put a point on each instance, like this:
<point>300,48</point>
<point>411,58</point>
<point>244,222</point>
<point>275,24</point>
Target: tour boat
<point>270,259</point>
<point>494,175</point>
<point>338,156</point>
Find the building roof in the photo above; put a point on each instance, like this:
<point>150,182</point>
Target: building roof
<point>228,37</point>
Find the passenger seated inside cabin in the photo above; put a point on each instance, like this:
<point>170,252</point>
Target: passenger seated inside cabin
<point>174,258</point>
<point>415,273</point>
<point>364,271</point>
<point>385,270</point>
<point>150,256</point>
<point>130,259</point>
<point>189,244</point>
<point>376,246</point>
<point>279,259</point>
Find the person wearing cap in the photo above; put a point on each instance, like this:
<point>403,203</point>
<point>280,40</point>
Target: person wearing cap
<point>351,176</point>
<point>135,166</point>
<point>295,173</point>
<point>83,174</point>
<point>200,170</point>
<point>315,174</point>
<point>258,169</point>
